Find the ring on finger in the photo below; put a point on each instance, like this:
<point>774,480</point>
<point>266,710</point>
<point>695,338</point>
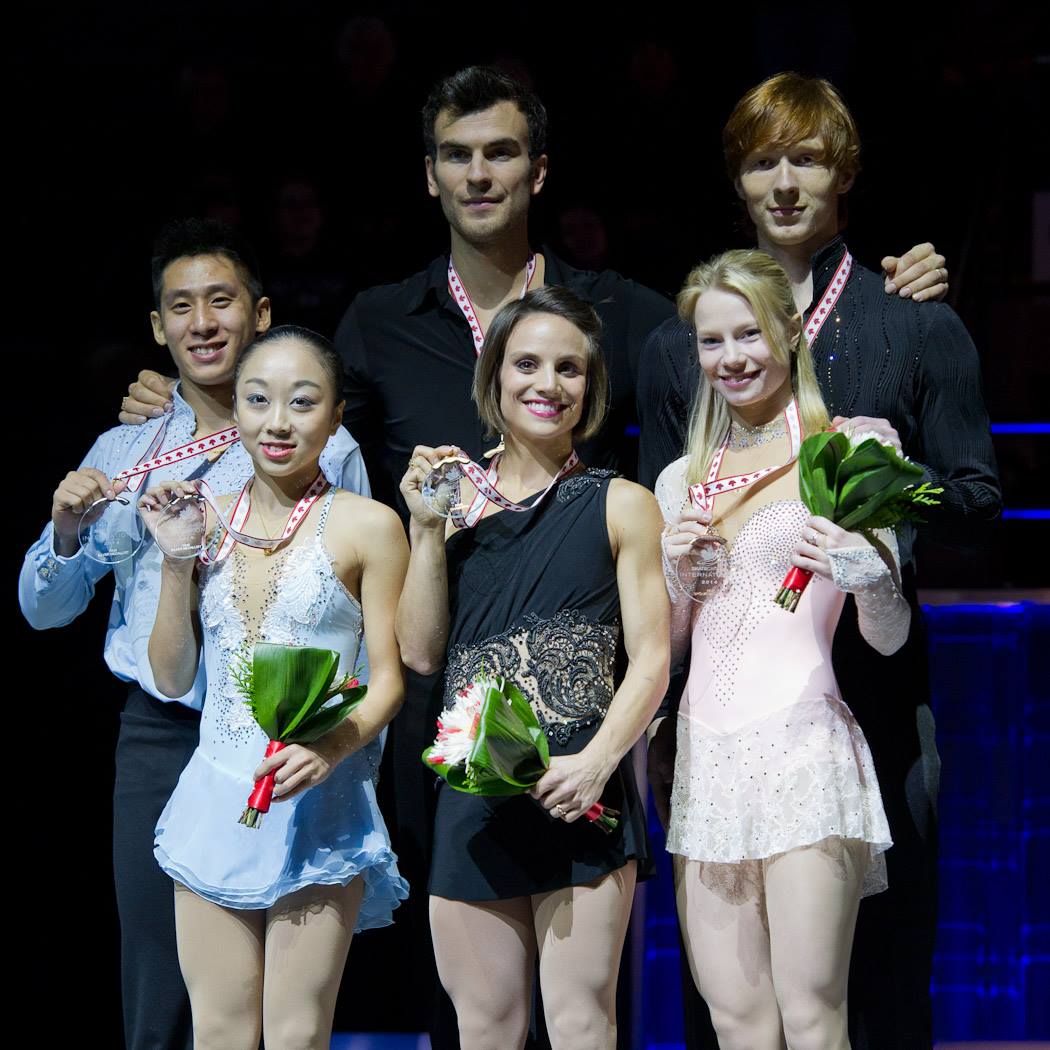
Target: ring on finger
<point>560,810</point>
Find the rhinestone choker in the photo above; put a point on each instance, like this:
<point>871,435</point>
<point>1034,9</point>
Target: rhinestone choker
<point>742,436</point>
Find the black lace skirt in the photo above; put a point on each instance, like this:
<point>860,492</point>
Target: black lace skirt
<point>495,848</point>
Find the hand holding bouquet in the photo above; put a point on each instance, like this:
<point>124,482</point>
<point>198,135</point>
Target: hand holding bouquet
<point>858,482</point>
<point>287,689</point>
<point>490,743</point>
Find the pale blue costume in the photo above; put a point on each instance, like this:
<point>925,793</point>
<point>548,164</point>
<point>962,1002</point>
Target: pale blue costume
<point>328,834</point>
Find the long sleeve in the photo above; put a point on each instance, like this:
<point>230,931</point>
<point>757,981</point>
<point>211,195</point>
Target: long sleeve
<point>344,465</point>
<point>955,444</point>
<point>871,575</point>
<point>670,491</point>
<point>648,311</point>
<point>667,378</point>
<point>52,590</point>
<point>363,412</point>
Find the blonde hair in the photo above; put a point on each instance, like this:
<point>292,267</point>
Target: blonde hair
<point>755,277</point>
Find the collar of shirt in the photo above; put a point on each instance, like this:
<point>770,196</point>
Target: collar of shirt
<point>430,286</point>
<point>823,264</point>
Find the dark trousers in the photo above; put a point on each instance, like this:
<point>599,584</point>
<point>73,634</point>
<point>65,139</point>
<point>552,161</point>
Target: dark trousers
<point>156,741</point>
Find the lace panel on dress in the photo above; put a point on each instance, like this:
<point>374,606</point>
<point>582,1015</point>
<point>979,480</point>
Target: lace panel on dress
<point>277,599</point>
<point>571,487</point>
<point>563,666</point>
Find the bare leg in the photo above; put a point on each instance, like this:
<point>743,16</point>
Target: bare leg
<point>812,896</point>
<point>580,932</point>
<point>722,913</point>
<point>485,953</point>
<point>221,956</point>
<point>307,937</point>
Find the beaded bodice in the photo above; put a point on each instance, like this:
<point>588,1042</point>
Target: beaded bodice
<point>533,597</point>
<point>292,597</point>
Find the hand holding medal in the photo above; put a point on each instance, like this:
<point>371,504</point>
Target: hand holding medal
<point>108,529</point>
<point>695,554</point>
<point>183,515</point>
<point>431,484</point>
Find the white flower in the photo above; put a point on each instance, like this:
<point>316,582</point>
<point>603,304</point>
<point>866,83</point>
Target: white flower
<point>458,727</point>
<point>858,437</point>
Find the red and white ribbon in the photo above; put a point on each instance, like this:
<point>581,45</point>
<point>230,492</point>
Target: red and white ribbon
<point>136,475</point>
<point>462,298</point>
<point>702,494</point>
<point>831,296</point>
<point>239,516</point>
<point>485,483</point>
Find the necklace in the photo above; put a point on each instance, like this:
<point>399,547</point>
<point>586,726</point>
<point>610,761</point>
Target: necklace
<point>742,436</point>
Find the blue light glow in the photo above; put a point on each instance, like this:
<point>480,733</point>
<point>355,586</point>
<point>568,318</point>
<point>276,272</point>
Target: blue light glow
<point>1021,428</point>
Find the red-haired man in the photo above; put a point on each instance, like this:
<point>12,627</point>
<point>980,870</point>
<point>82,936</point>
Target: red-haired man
<point>911,372</point>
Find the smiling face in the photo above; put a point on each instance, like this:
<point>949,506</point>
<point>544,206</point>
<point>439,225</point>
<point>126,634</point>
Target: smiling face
<point>737,357</point>
<point>791,195</point>
<point>543,377</point>
<point>482,173</point>
<point>285,408</point>
<point>206,318</point>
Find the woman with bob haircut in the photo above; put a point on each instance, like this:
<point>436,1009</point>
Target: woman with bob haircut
<point>776,824</point>
<point>538,595</point>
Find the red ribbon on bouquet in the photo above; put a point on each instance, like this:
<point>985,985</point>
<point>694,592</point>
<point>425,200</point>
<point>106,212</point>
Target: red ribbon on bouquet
<point>260,798</point>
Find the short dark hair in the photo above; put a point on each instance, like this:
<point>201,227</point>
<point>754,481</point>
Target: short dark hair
<point>477,88</point>
<point>326,353</point>
<point>549,299</point>
<point>185,238</point>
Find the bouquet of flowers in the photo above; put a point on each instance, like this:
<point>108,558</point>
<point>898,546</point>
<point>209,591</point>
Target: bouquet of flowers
<point>490,743</point>
<point>858,482</point>
<point>287,690</point>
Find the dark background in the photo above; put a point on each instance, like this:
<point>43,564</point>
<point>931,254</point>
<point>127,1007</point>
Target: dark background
<point>299,121</point>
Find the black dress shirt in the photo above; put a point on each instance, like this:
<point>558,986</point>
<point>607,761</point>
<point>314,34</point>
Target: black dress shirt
<point>877,355</point>
<point>410,358</point>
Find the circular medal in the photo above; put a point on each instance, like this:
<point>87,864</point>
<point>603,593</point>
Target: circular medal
<point>704,568</point>
<point>440,489</point>
<point>110,531</point>
<point>181,527</point>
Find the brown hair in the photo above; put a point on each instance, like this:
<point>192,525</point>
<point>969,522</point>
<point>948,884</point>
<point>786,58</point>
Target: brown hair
<point>560,302</point>
<point>788,108</point>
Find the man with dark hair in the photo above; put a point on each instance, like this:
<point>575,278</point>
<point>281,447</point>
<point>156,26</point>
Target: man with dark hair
<point>410,351</point>
<point>911,373</point>
<point>410,348</point>
<point>208,306</point>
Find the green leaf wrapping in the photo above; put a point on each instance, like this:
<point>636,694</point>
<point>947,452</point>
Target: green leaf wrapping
<point>325,720</point>
<point>869,486</point>
<point>819,460</point>
<point>510,751</point>
<point>288,687</point>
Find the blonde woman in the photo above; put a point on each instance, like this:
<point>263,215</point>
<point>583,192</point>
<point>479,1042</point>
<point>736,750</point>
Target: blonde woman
<point>776,822</point>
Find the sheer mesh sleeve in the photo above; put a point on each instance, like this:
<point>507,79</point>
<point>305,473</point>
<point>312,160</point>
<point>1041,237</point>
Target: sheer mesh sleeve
<point>670,491</point>
<point>871,574</point>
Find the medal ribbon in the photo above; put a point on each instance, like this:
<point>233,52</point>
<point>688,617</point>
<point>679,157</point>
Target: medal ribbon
<point>702,494</point>
<point>462,298</point>
<point>485,482</point>
<point>136,475</point>
<point>241,510</point>
<point>831,297</point>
